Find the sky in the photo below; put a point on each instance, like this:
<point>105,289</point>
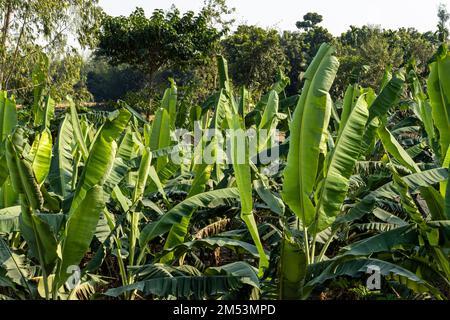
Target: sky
<point>282,14</point>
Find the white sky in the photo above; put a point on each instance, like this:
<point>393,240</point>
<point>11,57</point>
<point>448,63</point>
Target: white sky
<point>282,14</point>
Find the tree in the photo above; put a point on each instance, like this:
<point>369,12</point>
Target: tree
<point>254,55</point>
<point>310,20</point>
<point>294,47</point>
<point>443,17</point>
<point>165,40</point>
<point>35,27</point>
<point>314,35</point>
<point>365,53</point>
<point>216,12</point>
<point>300,47</point>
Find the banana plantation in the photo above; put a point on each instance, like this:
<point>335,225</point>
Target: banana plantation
<point>353,204</point>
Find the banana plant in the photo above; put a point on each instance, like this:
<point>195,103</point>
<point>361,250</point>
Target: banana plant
<point>29,166</point>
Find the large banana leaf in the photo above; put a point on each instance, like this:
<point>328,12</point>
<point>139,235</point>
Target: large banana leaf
<point>77,133</point>
<point>79,231</point>
<point>389,95</point>
<point>242,171</point>
<point>39,237</point>
<point>128,147</point>
<point>213,243</point>
<point>8,196</point>
<point>387,98</point>
<point>309,122</point>
<point>29,184</point>
<point>61,171</point>
<point>384,242</point>
<point>394,148</point>
<point>340,168</point>
<point>169,102</point>
<point>160,135</point>
<point>350,96</point>
<point>438,85</point>
<point>36,232</point>
<point>415,183</point>
<point>40,155</point>
<point>269,121</point>
<point>15,265</point>
<point>263,190</point>
<point>143,174</point>
<point>138,192</point>
<point>49,111</point>
<point>8,116</point>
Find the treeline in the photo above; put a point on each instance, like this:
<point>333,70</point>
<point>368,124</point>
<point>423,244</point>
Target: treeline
<point>132,58</point>
<point>136,55</point>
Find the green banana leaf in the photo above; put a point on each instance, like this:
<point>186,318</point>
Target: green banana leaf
<point>438,85</point>
<point>160,135</point>
<point>242,171</point>
<point>8,116</point>
<point>309,122</point>
<point>61,171</point>
<point>212,243</point>
<point>384,242</point>
<point>394,148</point>
<point>76,127</point>
<point>415,183</point>
<point>143,174</point>
<point>389,95</point>
<point>15,265</point>
<point>49,111</point>
<point>215,281</point>
<point>40,155</point>
<point>169,102</point>
<point>179,231</point>
<point>340,167</point>
<point>79,232</point>
<point>350,96</point>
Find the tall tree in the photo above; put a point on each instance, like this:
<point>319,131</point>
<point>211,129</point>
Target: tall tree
<point>301,46</point>
<point>254,55</point>
<point>314,34</point>
<point>164,40</point>
<point>443,17</point>
<point>30,28</point>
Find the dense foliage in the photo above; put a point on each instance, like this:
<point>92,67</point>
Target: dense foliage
<point>96,205</point>
<point>292,165</point>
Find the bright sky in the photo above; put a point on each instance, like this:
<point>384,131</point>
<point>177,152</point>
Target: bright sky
<point>282,14</point>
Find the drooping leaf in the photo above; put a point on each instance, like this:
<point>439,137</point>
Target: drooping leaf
<point>175,215</point>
